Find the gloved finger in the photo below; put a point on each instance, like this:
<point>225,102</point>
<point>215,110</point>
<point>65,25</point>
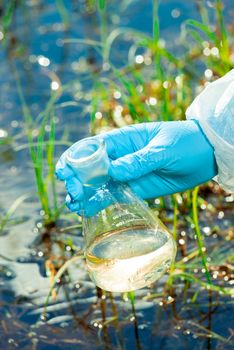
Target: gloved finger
<point>138,164</point>
<point>129,139</point>
<point>119,142</point>
<point>152,186</point>
<point>63,171</point>
<point>74,188</point>
<point>90,207</point>
<point>93,206</point>
<point>73,205</point>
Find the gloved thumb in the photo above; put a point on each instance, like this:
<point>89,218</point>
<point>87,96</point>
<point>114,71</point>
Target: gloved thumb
<point>137,164</point>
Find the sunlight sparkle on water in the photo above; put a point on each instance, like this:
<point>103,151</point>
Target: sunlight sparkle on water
<point>98,115</point>
<point>208,74</point>
<point>139,59</point>
<point>117,94</point>
<point>43,61</point>
<point>106,66</point>
<point>206,230</point>
<point>3,133</point>
<point>54,85</point>
<point>214,51</point>
<point>14,123</point>
<point>175,13</point>
<point>181,241</point>
<point>179,80</point>
<point>148,60</point>
<point>152,101</point>
<point>139,88</point>
<point>203,206</point>
<point>206,51</point>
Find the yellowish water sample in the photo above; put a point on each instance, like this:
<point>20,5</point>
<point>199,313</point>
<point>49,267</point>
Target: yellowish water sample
<point>130,258</point>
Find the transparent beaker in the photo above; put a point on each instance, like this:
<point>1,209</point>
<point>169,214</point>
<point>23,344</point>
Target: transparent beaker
<point>126,246</point>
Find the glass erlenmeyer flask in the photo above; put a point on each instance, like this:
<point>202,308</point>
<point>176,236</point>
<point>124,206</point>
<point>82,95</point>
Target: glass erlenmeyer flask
<point>126,246</point>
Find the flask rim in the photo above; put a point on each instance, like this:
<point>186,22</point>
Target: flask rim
<point>99,142</point>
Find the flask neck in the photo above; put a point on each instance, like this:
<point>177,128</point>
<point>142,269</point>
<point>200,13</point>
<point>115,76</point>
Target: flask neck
<point>89,161</point>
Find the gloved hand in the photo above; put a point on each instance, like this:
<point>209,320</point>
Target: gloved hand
<point>156,159</point>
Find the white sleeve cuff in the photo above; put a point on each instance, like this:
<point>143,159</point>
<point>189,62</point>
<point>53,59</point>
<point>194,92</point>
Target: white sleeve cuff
<point>214,109</point>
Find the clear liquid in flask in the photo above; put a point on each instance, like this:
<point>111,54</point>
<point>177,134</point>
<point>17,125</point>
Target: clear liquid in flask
<point>130,258</point>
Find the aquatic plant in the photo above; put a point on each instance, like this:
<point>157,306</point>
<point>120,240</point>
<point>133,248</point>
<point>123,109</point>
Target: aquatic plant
<point>41,151</point>
<point>7,217</point>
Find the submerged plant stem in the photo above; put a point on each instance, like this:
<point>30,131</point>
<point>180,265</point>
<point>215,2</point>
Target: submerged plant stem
<point>201,246</point>
<point>59,274</point>
<point>137,338</point>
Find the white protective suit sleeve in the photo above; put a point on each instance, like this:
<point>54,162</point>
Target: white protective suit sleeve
<point>214,109</point>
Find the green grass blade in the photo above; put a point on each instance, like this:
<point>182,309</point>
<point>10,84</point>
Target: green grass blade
<point>63,12</point>
<point>4,220</point>
<point>224,48</point>
<point>204,29</point>
<point>8,16</point>
<point>50,162</point>
<point>191,278</point>
<point>199,236</point>
<point>102,4</point>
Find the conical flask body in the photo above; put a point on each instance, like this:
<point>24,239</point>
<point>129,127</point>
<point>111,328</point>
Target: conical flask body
<point>126,245</point>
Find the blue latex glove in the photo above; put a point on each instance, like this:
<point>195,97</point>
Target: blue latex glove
<point>155,159</point>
